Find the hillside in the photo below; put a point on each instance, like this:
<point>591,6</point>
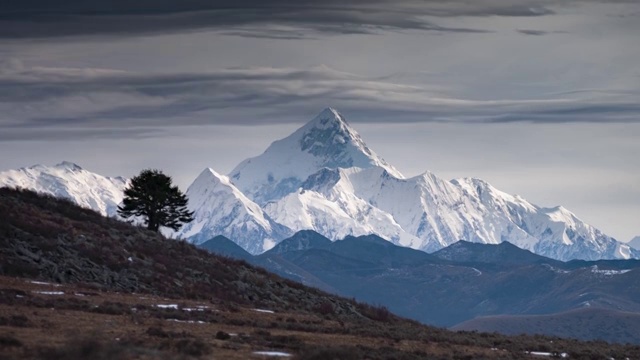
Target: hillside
<point>225,247</point>
<point>584,324</point>
<point>504,253</point>
<point>458,283</point>
<point>53,240</point>
<point>78,285</point>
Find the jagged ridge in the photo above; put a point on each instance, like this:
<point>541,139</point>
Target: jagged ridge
<point>324,177</point>
<point>326,141</point>
<point>221,209</point>
<point>70,181</point>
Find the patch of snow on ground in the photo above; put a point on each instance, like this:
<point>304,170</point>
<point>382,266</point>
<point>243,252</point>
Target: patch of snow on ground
<point>50,292</point>
<point>264,311</point>
<point>187,321</point>
<point>544,353</point>
<point>43,283</point>
<point>167,306</point>
<point>595,270</point>
<point>556,270</point>
<point>272,353</point>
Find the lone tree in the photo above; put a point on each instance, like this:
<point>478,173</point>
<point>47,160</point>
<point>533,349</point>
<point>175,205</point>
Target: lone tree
<point>152,196</point>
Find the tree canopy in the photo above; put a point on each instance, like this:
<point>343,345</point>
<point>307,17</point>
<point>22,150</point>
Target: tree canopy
<point>151,196</point>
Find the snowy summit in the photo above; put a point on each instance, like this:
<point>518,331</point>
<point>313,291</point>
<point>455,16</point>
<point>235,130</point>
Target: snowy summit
<point>324,177</point>
<point>221,209</point>
<point>70,181</point>
<point>327,141</point>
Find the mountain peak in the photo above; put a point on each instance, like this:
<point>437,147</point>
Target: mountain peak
<point>328,117</point>
<point>504,252</point>
<point>635,243</point>
<point>221,209</point>
<point>329,112</point>
<point>329,134</point>
<point>210,183</point>
<point>302,240</point>
<point>68,165</point>
<point>327,141</point>
<point>209,175</point>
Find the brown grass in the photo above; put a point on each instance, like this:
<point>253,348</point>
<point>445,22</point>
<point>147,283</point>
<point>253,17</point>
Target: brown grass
<point>72,326</point>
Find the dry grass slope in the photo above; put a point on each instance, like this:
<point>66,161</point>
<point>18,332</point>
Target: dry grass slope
<point>583,324</point>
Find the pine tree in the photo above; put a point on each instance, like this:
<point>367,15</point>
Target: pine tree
<point>152,196</point>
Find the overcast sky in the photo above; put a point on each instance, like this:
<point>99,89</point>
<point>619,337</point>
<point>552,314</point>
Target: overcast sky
<point>539,99</point>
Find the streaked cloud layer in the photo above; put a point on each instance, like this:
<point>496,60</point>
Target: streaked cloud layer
<point>92,99</point>
<point>45,19</point>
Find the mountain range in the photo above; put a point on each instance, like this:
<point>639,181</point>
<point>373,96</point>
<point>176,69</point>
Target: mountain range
<point>70,181</point>
<point>635,243</point>
<point>324,177</point>
<point>468,286</point>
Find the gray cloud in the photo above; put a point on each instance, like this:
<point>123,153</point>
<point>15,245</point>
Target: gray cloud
<point>532,32</point>
<point>538,32</point>
<point>282,19</point>
<point>96,100</point>
<point>62,134</point>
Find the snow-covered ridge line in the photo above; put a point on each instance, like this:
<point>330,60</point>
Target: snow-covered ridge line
<point>326,141</point>
<point>324,177</point>
<point>221,209</point>
<point>69,180</point>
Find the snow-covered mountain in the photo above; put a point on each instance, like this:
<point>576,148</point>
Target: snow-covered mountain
<point>221,209</point>
<point>327,141</point>
<point>429,213</point>
<point>553,232</point>
<point>635,243</point>
<point>68,180</point>
<point>327,203</point>
<point>323,177</point>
